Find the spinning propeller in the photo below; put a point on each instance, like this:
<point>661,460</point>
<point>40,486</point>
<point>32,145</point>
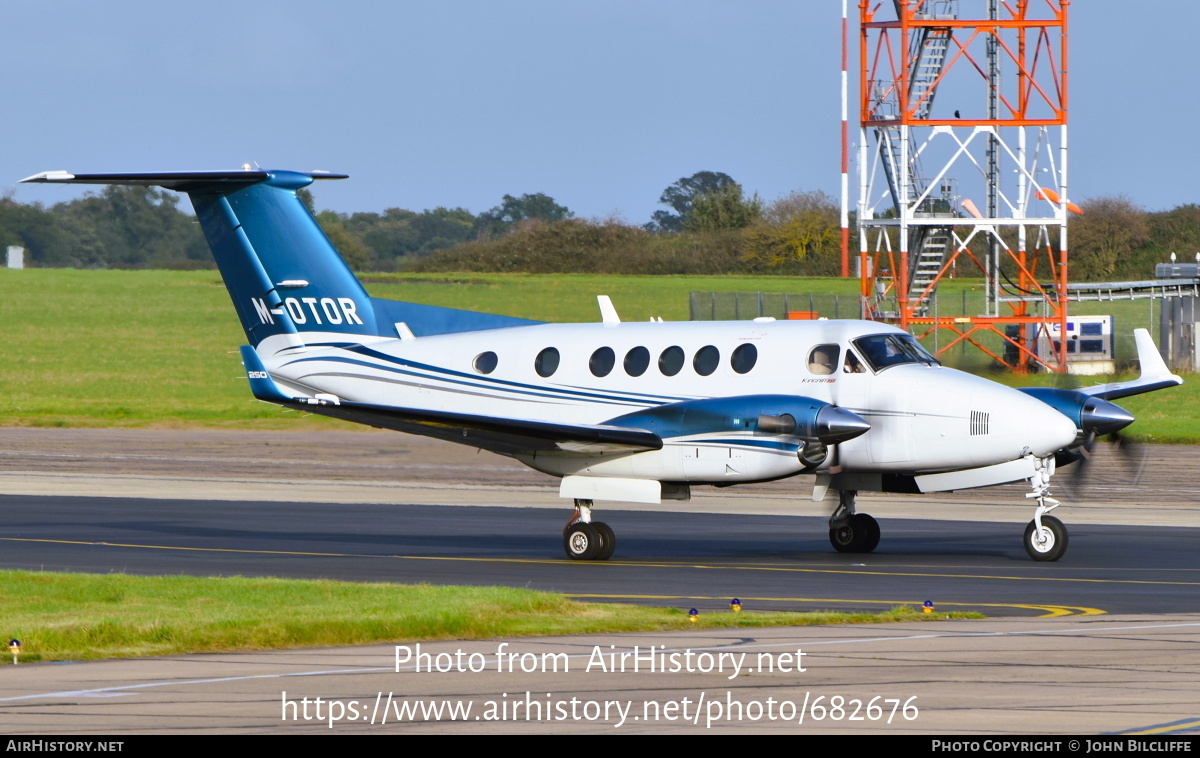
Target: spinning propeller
<point>1096,419</point>
<point>1120,461</point>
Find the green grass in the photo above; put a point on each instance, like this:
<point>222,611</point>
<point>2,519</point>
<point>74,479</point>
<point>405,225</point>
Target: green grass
<point>82,616</point>
<point>159,348</point>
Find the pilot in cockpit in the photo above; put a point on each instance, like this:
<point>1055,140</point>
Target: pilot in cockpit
<point>853,365</point>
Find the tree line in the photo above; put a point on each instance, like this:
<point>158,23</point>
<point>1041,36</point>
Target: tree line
<point>709,225</point>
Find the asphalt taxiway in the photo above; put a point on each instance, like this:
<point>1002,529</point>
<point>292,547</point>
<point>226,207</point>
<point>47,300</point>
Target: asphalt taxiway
<point>1101,641</point>
<point>387,507</point>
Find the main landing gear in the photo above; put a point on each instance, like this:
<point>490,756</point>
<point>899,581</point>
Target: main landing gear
<point>587,540</point>
<point>851,532</point>
<point>1045,536</point>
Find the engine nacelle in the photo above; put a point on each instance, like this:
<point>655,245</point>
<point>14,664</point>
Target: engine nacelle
<point>805,418</point>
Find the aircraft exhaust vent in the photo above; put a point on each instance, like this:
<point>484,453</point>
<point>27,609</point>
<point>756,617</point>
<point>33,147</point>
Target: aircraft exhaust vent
<point>979,423</point>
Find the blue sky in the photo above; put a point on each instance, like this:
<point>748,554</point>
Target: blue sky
<point>598,103</point>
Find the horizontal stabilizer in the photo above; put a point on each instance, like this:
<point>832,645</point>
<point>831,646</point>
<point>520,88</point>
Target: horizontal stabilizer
<point>181,181</point>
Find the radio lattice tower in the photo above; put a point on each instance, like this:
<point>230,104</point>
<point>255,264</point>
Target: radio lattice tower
<point>962,161</point>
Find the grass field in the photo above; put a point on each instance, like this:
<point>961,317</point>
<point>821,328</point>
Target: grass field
<point>60,617</point>
<point>141,348</point>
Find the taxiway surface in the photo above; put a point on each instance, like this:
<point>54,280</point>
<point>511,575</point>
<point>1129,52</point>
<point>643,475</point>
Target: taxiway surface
<point>387,507</point>
<point>1054,658</point>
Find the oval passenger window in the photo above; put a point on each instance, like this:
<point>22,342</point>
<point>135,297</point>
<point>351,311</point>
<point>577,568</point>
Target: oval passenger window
<point>602,361</point>
<point>546,362</point>
<point>744,357</point>
<point>637,360</point>
<point>707,359</point>
<point>485,363</point>
<point>823,359</point>
<point>671,361</point>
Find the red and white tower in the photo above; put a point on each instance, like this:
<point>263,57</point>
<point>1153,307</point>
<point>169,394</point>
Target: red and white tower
<point>962,161</point>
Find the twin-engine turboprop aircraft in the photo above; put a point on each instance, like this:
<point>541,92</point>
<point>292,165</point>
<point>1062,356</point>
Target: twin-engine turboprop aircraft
<point>632,412</point>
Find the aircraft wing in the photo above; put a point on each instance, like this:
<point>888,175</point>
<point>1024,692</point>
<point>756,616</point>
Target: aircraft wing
<point>499,435</point>
<point>1154,373</point>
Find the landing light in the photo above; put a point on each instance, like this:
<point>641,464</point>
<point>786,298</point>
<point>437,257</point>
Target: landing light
<point>692,614</point>
<point>928,607</point>
<point>735,605</point>
<point>14,647</point>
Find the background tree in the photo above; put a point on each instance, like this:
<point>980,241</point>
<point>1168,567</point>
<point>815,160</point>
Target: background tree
<point>1178,231</point>
<point>682,194</point>
<point>441,228</point>
<point>723,209</point>
<point>1111,229</point>
<point>390,235</point>
<point>799,232</point>
<point>356,254</point>
<point>129,227</point>
<point>514,210</point>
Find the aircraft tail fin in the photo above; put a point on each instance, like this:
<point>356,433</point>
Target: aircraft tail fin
<point>288,283</point>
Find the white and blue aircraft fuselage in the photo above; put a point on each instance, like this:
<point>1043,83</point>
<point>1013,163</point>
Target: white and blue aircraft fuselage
<point>632,412</point>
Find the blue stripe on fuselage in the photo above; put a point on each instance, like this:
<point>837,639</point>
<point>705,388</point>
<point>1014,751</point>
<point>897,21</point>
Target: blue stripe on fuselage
<point>488,383</point>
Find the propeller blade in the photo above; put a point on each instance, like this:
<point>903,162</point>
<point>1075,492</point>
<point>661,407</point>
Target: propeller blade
<point>1134,457</point>
<point>1118,463</point>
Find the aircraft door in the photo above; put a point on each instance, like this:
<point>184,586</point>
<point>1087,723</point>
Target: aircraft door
<point>851,391</point>
<point>883,401</point>
<point>853,383</point>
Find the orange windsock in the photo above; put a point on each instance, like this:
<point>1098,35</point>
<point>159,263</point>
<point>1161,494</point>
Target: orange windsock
<point>1052,196</point>
<point>1049,194</point>
<point>969,207</point>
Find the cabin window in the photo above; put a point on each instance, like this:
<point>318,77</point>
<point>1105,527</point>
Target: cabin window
<point>671,361</point>
<point>706,361</point>
<point>546,362</point>
<point>744,357</point>
<point>485,363</point>
<point>823,359</point>
<point>602,361</point>
<point>637,360</point>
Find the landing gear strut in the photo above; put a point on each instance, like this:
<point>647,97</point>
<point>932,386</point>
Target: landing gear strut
<point>851,532</point>
<point>587,540</point>
<point>1045,536</point>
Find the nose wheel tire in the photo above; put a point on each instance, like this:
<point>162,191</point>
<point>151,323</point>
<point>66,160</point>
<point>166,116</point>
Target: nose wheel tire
<point>1050,543</point>
<point>858,534</point>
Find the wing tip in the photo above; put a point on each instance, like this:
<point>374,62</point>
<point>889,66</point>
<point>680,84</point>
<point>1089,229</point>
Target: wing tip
<point>48,176</point>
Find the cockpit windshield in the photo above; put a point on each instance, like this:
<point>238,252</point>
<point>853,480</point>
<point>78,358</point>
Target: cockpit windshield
<point>882,351</point>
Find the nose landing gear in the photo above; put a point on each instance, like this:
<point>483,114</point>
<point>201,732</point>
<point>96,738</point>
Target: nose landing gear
<point>1045,536</point>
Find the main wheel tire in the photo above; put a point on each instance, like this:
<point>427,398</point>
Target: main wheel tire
<point>870,529</point>
<point>1052,542</point>
<point>582,542</point>
<point>849,537</point>
<point>608,540</point>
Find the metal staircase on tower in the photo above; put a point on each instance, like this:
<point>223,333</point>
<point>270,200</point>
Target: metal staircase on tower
<point>927,245</point>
